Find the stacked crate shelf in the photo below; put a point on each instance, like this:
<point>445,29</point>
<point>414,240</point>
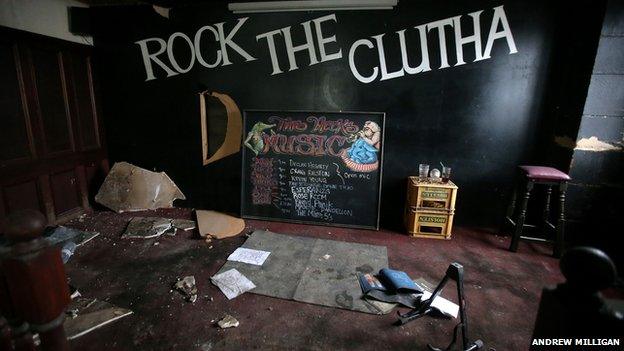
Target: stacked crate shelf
<point>430,208</point>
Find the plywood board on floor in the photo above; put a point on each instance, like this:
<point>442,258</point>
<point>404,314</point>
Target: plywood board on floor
<point>316,271</point>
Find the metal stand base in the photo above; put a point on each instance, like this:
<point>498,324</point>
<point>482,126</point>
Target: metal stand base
<point>455,271</point>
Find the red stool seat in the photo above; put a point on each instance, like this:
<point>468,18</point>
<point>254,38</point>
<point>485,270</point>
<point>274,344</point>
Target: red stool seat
<point>541,172</point>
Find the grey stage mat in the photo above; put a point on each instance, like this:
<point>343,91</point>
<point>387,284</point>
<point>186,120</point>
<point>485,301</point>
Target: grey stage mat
<point>317,271</point>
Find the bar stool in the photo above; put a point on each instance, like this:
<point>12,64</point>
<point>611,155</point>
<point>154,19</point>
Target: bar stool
<point>529,176</point>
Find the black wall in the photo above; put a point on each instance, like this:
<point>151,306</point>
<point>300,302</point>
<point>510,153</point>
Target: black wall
<point>597,187</point>
<point>483,118</point>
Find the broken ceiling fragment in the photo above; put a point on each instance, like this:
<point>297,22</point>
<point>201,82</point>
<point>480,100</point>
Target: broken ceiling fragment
<point>147,227</point>
<point>131,188</point>
<point>228,322</point>
<point>184,224</point>
<point>86,315</point>
<point>218,225</point>
<point>61,234</point>
<point>187,287</point>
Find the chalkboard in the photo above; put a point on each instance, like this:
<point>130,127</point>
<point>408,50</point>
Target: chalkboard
<point>313,167</point>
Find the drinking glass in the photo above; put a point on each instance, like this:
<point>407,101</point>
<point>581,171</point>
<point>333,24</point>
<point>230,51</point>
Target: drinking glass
<point>446,174</point>
<point>423,171</point>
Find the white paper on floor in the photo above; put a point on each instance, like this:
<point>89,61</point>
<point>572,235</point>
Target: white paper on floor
<point>250,256</point>
<point>445,306</point>
<point>232,283</point>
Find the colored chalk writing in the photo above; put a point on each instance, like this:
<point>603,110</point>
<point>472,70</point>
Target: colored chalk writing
<point>312,167</point>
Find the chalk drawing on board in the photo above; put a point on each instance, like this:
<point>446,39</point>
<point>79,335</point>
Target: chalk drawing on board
<point>255,137</point>
<point>362,155</point>
<point>313,167</point>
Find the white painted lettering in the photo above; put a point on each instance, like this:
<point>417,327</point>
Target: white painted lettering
<point>354,69</point>
<point>308,45</point>
<point>148,58</point>
<point>271,43</point>
<point>382,60</point>
<point>439,25</point>
<point>227,41</point>
<point>499,17</point>
<point>474,38</point>
<point>424,51</point>
<point>197,43</point>
<point>172,58</point>
<point>322,41</point>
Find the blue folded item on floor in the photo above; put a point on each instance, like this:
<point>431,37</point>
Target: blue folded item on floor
<point>398,280</point>
<point>389,280</point>
<point>391,286</point>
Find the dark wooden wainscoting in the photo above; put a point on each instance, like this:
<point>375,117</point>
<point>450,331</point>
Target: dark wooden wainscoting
<point>52,152</point>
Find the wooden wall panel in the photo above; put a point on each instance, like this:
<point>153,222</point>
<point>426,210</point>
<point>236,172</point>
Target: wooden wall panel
<point>15,142</point>
<point>54,113</point>
<point>22,196</point>
<point>65,192</point>
<point>85,103</point>
<point>51,147</point>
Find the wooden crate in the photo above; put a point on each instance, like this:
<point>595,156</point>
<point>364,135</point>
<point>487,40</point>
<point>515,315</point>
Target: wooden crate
<point>429,223</point>
<point>428,195</point>
<point>430,208</point>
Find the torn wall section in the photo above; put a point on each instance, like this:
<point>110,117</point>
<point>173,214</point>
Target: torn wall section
<point>597,188</point>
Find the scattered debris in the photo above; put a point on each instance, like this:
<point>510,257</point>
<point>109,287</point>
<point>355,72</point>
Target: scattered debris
<point>232,283</point>
<point>228,322</point>
<point>87,315</point>
<point>72,313</point>
<point>131,188</point>
<point>75,294</point>
<point>163,11</point>
<point>147,227</point>
<point>67,251</point>
<point>218,225</point>
<point>187,287</point>
<point>171,231</point>
<point>67,239</point>
<point>152,227</point>
<point>207,346</point>
<point>184,224</point>
<point>61,234</point>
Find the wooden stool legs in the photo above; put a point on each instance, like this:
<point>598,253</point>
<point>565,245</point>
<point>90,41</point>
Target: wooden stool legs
<point>546,213</point>
<point>560,221</point>
<point>516,215</point>
<point>519,222</point>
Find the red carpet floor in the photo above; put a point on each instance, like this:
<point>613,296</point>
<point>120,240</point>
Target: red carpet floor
<point>502,291</point>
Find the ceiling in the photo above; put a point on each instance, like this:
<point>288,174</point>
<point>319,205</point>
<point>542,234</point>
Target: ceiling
<point>163,3</point>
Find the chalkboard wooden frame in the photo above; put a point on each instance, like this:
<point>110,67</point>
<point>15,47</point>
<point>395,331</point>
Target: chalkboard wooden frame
<point>381,116</point>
